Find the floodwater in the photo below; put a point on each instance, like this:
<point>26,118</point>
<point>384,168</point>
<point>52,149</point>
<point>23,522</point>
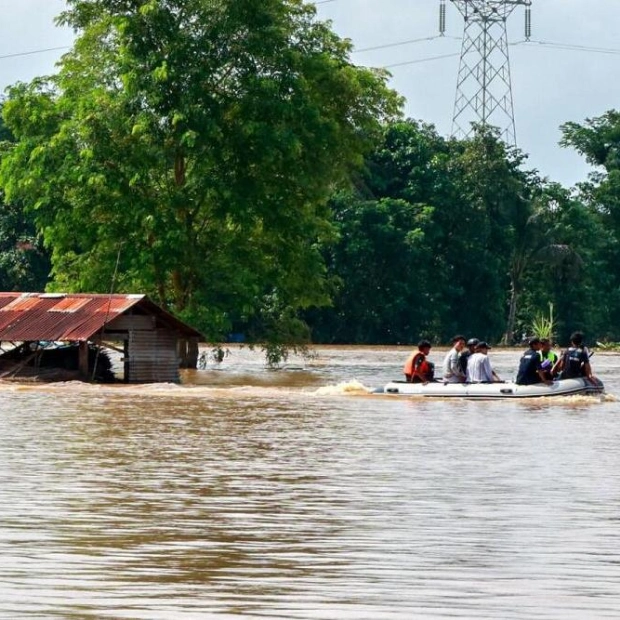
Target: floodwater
<point>297,494</point>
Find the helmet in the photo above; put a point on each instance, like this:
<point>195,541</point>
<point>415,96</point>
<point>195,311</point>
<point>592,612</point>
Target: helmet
<point>472,342</point>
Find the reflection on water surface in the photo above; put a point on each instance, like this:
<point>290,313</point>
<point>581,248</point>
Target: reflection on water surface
<point>296,494</point>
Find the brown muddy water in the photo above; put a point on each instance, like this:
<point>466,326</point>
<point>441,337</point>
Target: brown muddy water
<point>296,494</point>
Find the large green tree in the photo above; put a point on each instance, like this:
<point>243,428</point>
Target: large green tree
<point>197,142</point>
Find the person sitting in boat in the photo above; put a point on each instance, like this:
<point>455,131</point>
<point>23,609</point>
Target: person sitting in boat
<point>479,369</point>
<point>470,349</point>
<point>548,357</point>
<point>417,368</point>
<point>575,361</point>
<point>530,366</point>
<point>452,371</point>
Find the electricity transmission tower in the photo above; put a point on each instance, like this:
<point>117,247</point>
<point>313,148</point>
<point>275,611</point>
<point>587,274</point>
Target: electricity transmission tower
<point>484,90</point>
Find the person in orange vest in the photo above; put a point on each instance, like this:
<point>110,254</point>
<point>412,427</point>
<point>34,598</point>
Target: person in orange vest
<point>417,368</point>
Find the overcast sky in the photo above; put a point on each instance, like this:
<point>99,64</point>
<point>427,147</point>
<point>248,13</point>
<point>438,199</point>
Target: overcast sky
<point>550,85</point>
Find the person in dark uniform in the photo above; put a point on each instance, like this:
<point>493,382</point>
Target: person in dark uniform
<point>530,370</point>
<point>575,361</point>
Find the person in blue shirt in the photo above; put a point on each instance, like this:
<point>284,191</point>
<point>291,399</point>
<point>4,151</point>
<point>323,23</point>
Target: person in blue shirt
<point>530,370</point>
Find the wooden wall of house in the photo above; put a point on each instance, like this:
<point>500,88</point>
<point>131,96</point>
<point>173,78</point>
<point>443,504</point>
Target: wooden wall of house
<point>152,357</point>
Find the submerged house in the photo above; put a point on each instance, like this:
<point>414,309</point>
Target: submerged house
<point>151,342</point>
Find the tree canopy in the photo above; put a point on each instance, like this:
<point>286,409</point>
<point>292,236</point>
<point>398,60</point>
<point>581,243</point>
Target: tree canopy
<point>197,141</point>
<point>457,236</point>
<point>232,162</point>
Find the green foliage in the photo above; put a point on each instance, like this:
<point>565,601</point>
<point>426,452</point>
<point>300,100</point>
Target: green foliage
<point>445,236</point>
<point>431,225</point>
<point>24,262</point>
<point>254,180</point>
<point>281,329</point>
<point>543,326</point>
<point>598,140</point>
<point>202,139</point>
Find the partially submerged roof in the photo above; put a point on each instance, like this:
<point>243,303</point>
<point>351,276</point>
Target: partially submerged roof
<point>74,317</point>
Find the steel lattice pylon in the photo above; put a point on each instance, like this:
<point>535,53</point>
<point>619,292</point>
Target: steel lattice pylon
<point>484,90</point>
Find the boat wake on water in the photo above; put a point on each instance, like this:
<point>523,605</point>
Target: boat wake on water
<point>348,388</point>
<point>569,392</point>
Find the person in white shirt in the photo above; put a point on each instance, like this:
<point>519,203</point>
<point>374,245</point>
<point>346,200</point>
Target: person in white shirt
<point>452,372</point>
<point>479,368</point>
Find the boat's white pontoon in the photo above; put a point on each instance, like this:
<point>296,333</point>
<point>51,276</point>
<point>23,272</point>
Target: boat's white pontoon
<point>506,389</point>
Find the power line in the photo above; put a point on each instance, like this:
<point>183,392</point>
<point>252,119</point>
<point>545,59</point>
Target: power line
<point>550,44</point>
<point>559,45</point>
<point>399,43</point>
<point>419,60</point>
<point>386,45</point>
<point>41,51</point>
<point>573,47</point>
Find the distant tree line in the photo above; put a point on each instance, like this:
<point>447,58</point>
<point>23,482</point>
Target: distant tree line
<point>250,178</point>
<point>447,236</point>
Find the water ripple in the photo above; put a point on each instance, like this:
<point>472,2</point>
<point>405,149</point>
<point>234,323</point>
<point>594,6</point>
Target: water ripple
<point>298,502</point>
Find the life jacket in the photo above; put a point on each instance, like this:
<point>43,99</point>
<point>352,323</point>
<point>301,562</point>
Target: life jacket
<point>574,361</point>
<point>528,368</point>
<point>417,362</point>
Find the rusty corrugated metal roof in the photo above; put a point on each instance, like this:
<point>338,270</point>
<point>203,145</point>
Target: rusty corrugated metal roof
<point>71,317</point>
